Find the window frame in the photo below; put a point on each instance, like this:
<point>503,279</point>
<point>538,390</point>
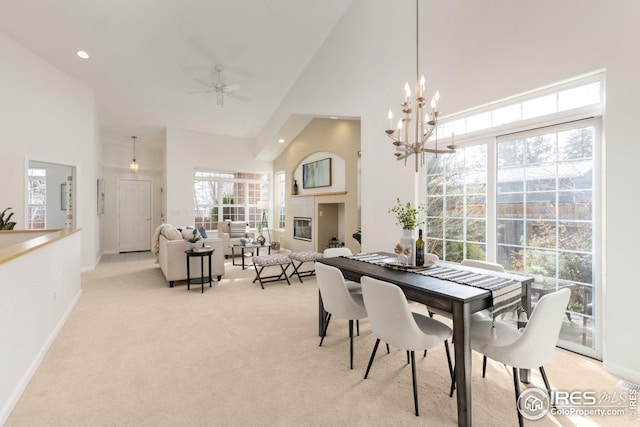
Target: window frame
<point>251,213</point>
<point>593,114</point>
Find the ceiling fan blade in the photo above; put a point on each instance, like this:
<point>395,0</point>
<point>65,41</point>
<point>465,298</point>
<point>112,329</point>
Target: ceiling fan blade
<point>200,91</point>
<point>203,83</point>
<point>239,97</point>
<point>230,88</point>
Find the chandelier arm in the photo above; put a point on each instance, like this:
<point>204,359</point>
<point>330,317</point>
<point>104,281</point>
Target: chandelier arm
<point>438,151</point>
<point>426,120</point>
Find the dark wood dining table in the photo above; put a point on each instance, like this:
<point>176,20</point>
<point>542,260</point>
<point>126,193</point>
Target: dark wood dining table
<point>459,300</point>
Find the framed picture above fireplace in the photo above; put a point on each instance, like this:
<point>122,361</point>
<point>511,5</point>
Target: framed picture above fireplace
<point>317,174</point>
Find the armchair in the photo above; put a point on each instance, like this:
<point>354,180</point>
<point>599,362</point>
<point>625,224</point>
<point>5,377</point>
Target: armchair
<point>231,232</point>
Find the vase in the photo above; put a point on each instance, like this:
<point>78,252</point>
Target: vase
<point>261,239</point>
<point>409,240</point>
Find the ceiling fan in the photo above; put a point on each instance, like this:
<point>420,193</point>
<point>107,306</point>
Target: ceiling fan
<point>221,88</point>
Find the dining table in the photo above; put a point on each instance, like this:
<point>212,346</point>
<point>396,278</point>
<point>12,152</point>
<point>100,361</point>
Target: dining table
<point>458,299</point>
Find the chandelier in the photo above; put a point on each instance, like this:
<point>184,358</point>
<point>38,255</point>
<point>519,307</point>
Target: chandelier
<point>134,166</point>
<point>426,120</point>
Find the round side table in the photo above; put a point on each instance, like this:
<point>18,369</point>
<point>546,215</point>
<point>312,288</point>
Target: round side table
<point>201,254</point>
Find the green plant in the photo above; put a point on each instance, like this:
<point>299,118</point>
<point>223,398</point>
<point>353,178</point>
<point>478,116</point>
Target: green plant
<point>5,224</point>
<point>357,235</point>
<point>195,237</point>
<point>259,228</point>
<point>407,215</point>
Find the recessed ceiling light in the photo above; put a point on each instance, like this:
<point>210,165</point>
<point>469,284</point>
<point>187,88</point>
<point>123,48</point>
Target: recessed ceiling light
<point>281,140</point>
<point>82,54</point>
<point>333,117</point>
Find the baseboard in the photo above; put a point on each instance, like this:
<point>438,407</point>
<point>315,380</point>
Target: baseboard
<point>622,372</point>
<point>33,367</point>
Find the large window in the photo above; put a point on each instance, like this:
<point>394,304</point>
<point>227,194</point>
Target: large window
<point>522,191</point>
<point>544,214</point>
<point>228,196</point>
<point>456,204</point>
<point>37,204</point>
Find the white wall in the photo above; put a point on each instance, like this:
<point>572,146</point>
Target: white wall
<point>45,115</point>
<point>474,53</point>
<point>33,310</point>
<point>189,150</point>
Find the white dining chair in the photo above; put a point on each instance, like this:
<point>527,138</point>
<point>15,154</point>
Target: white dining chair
<point>527,348</point>
<point>335,252</point>
<point>351,285</point>
<point>338,301</point>
<point>393,322</point>
<point>485,265</point>
<point>482,314</point>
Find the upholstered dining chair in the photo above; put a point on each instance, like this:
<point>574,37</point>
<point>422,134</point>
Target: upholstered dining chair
<point>334,252</point>
<point>338,301</point>
<point>393,322</point>
<point>528,348</point>
<point>483,314</point>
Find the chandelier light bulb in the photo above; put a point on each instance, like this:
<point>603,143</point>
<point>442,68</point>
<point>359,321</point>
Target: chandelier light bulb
<point>399,125</point>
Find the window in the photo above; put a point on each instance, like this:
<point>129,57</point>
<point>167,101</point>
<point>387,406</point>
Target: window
<point>280,186</point>
<point>37,203</point>
<point>544,214</point>
<point>522,190</point>
<point>232,196</point>
<point>456,204</point>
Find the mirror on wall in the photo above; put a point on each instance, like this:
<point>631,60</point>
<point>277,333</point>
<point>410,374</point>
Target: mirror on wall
<point>50,196</point>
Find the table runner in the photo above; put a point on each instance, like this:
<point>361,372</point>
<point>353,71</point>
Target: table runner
<point>506,293</point>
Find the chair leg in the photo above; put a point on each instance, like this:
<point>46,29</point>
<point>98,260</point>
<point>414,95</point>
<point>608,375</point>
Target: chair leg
<point>388,349</point>
<point>453,382</point>
<point>408,359</point>
<point>546,380</point>
<point>516,386</point>
<point>415,382</point>
<point>358,327</point>
<point>324,331</point>
<point>373,354</point>
<point>484,365</point>
<point>351,343</point>
<point>425,354</point>
<point>446,347</point>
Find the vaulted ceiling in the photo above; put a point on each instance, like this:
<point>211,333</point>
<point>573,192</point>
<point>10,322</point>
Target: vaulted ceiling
<point>146,55</point>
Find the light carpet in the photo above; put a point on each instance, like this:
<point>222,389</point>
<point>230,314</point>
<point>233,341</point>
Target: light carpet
<point>135,352</point>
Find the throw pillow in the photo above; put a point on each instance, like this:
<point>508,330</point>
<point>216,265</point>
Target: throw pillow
<point>238,229</point>
<point>187,233</point>
<point>203,232</point>
<point>171,233</point>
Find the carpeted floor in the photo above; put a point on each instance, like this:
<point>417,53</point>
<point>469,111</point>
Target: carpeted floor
<point>135,352</point>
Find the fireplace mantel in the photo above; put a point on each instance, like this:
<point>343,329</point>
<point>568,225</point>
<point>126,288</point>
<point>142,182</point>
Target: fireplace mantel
<point>334,193</point>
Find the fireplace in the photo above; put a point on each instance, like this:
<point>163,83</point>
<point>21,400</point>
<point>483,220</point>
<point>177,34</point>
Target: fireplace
<point>302,228</point>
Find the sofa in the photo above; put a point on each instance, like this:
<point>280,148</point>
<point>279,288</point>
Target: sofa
<point>173,260</point>
<point>231,232</point>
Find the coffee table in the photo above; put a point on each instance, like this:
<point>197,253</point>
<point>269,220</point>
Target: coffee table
<point>252,246</point>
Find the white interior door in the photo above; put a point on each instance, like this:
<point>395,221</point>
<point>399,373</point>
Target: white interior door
<point>134,215</point>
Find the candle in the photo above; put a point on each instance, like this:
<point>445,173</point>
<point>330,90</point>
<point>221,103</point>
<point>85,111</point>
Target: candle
<point>422,81</point>
<point>390,116</point>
